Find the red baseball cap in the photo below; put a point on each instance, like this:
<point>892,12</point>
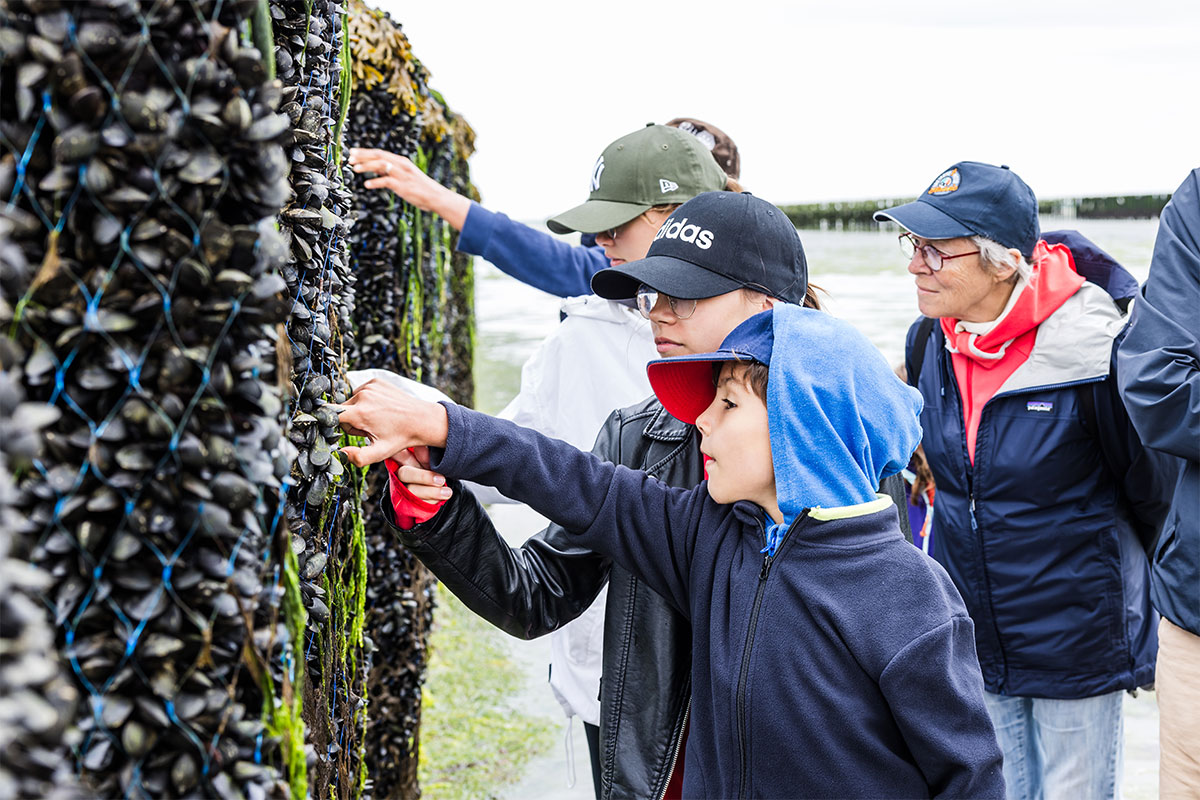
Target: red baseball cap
<point>685,385</point>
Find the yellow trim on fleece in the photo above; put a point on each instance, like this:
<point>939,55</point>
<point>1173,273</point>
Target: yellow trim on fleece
<point>880,502</point>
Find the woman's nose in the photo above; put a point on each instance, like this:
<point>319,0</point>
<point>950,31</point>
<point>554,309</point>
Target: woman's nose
<point>917,265</point>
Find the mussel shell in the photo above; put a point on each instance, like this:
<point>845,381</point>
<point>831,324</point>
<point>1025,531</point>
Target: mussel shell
<point>269,127</point>
<point>97,37</point>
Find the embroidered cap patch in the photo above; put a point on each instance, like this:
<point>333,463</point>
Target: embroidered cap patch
<point>1039,405</point>
<point>945,183</point>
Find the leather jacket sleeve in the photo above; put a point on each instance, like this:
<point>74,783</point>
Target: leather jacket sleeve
<point>526,591</point>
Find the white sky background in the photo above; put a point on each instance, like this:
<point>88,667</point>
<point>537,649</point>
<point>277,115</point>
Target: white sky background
<point>826,100</point>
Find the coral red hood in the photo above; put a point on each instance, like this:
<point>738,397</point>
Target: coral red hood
<point>1052,282</point>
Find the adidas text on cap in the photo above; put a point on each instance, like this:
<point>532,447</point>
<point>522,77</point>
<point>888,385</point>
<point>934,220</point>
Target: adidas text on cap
<point>713,244</point>
<point>656,165</point>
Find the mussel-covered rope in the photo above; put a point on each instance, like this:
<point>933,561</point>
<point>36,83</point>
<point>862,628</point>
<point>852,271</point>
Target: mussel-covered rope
<point>147,325</point>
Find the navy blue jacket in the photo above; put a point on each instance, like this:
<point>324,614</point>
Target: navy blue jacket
<point>1160,382</point>
<point>1044,534</point>
<point>531,256</point>
<point>842,667</point>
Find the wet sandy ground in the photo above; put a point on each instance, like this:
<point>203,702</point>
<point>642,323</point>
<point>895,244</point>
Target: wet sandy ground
<point>547,775</point>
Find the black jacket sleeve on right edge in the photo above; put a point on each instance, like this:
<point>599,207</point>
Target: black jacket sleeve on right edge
<point>526,591</point>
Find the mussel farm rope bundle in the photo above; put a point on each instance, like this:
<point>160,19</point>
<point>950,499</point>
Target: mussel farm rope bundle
<point>399,589</point>
<point>142,171</point>
<point>415,317</point>
<point>324,504</point>
<point>38,698</point>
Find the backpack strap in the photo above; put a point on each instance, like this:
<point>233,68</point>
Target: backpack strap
<point>917,354</point>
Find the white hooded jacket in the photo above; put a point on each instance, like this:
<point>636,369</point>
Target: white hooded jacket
<point>593,363</point>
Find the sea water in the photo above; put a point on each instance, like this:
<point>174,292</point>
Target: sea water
<point>863,274</point>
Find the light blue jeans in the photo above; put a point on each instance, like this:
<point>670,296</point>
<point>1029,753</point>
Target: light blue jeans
<point>1060,749</point>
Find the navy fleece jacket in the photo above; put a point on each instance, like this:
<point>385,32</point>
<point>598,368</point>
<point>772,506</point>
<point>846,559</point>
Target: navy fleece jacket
<point>844,666</point>
<point>531,256</point>
<point>1159,373</point>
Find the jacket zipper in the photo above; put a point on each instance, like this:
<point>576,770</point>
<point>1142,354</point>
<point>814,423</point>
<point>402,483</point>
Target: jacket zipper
<point>675,754</point>
<point>966,446</point>
<point>743,739</point>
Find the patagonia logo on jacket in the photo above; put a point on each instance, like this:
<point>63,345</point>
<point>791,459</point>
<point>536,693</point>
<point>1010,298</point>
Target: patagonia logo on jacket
<point>684,232</point>
<point>1039,405</point>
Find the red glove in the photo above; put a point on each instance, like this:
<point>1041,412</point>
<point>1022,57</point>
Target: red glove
<point>409,509</point>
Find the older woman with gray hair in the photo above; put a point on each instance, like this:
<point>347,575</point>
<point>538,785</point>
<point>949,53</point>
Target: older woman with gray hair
<point>1045,502</point>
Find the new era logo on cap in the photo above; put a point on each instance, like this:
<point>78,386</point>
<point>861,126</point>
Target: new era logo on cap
<point>666,186</point>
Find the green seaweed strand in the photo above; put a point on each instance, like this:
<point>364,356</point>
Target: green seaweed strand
<point>346,88</point>
<point>442,253</point>
<point>415,320</point>
<point>415,294</point>
<point>284,720</point>
<point>263,36</point>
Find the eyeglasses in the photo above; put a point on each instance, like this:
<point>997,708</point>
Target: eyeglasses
<point>647,299</point>
<point>933,257</point>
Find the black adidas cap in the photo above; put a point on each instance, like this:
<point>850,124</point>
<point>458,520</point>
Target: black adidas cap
<point>712,244</point>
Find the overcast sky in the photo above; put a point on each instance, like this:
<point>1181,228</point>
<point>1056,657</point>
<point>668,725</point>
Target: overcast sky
<point>826,99</point>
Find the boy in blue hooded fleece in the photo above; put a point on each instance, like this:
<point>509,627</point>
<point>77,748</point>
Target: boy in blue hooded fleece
<point>830,657</point>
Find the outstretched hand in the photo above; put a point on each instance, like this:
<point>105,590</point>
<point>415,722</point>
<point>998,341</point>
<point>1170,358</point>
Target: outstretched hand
<point>402,176</point>
<point>392,421</point>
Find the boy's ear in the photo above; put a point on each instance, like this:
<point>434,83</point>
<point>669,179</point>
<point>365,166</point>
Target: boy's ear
<point>768,302</point>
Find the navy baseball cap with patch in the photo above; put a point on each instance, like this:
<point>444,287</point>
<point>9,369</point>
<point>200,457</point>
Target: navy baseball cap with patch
<point>973,199</point>
<point>713,244</point>
<point>684,384</point>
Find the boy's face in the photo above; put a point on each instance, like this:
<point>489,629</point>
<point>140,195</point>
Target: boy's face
<point>736,438</point>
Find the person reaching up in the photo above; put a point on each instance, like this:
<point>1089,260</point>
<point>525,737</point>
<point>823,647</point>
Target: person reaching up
<point>618,197</point>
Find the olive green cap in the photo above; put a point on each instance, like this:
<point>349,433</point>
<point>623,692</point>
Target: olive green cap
<point>652,166</point>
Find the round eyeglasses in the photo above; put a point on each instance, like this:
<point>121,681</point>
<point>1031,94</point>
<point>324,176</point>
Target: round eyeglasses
<point>909,245</point>
<point>647,299</point>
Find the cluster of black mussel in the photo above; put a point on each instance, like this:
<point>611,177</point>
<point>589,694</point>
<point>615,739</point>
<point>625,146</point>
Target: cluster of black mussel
<point>142,169</point>
<point>321,503</point>
<point>177,283</point>
<point>38,699</point>
<point>399,588</point>
<point>377,238</point>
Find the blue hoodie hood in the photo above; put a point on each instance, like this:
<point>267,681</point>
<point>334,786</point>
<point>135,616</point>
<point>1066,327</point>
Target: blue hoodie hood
<point>840,419</point>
